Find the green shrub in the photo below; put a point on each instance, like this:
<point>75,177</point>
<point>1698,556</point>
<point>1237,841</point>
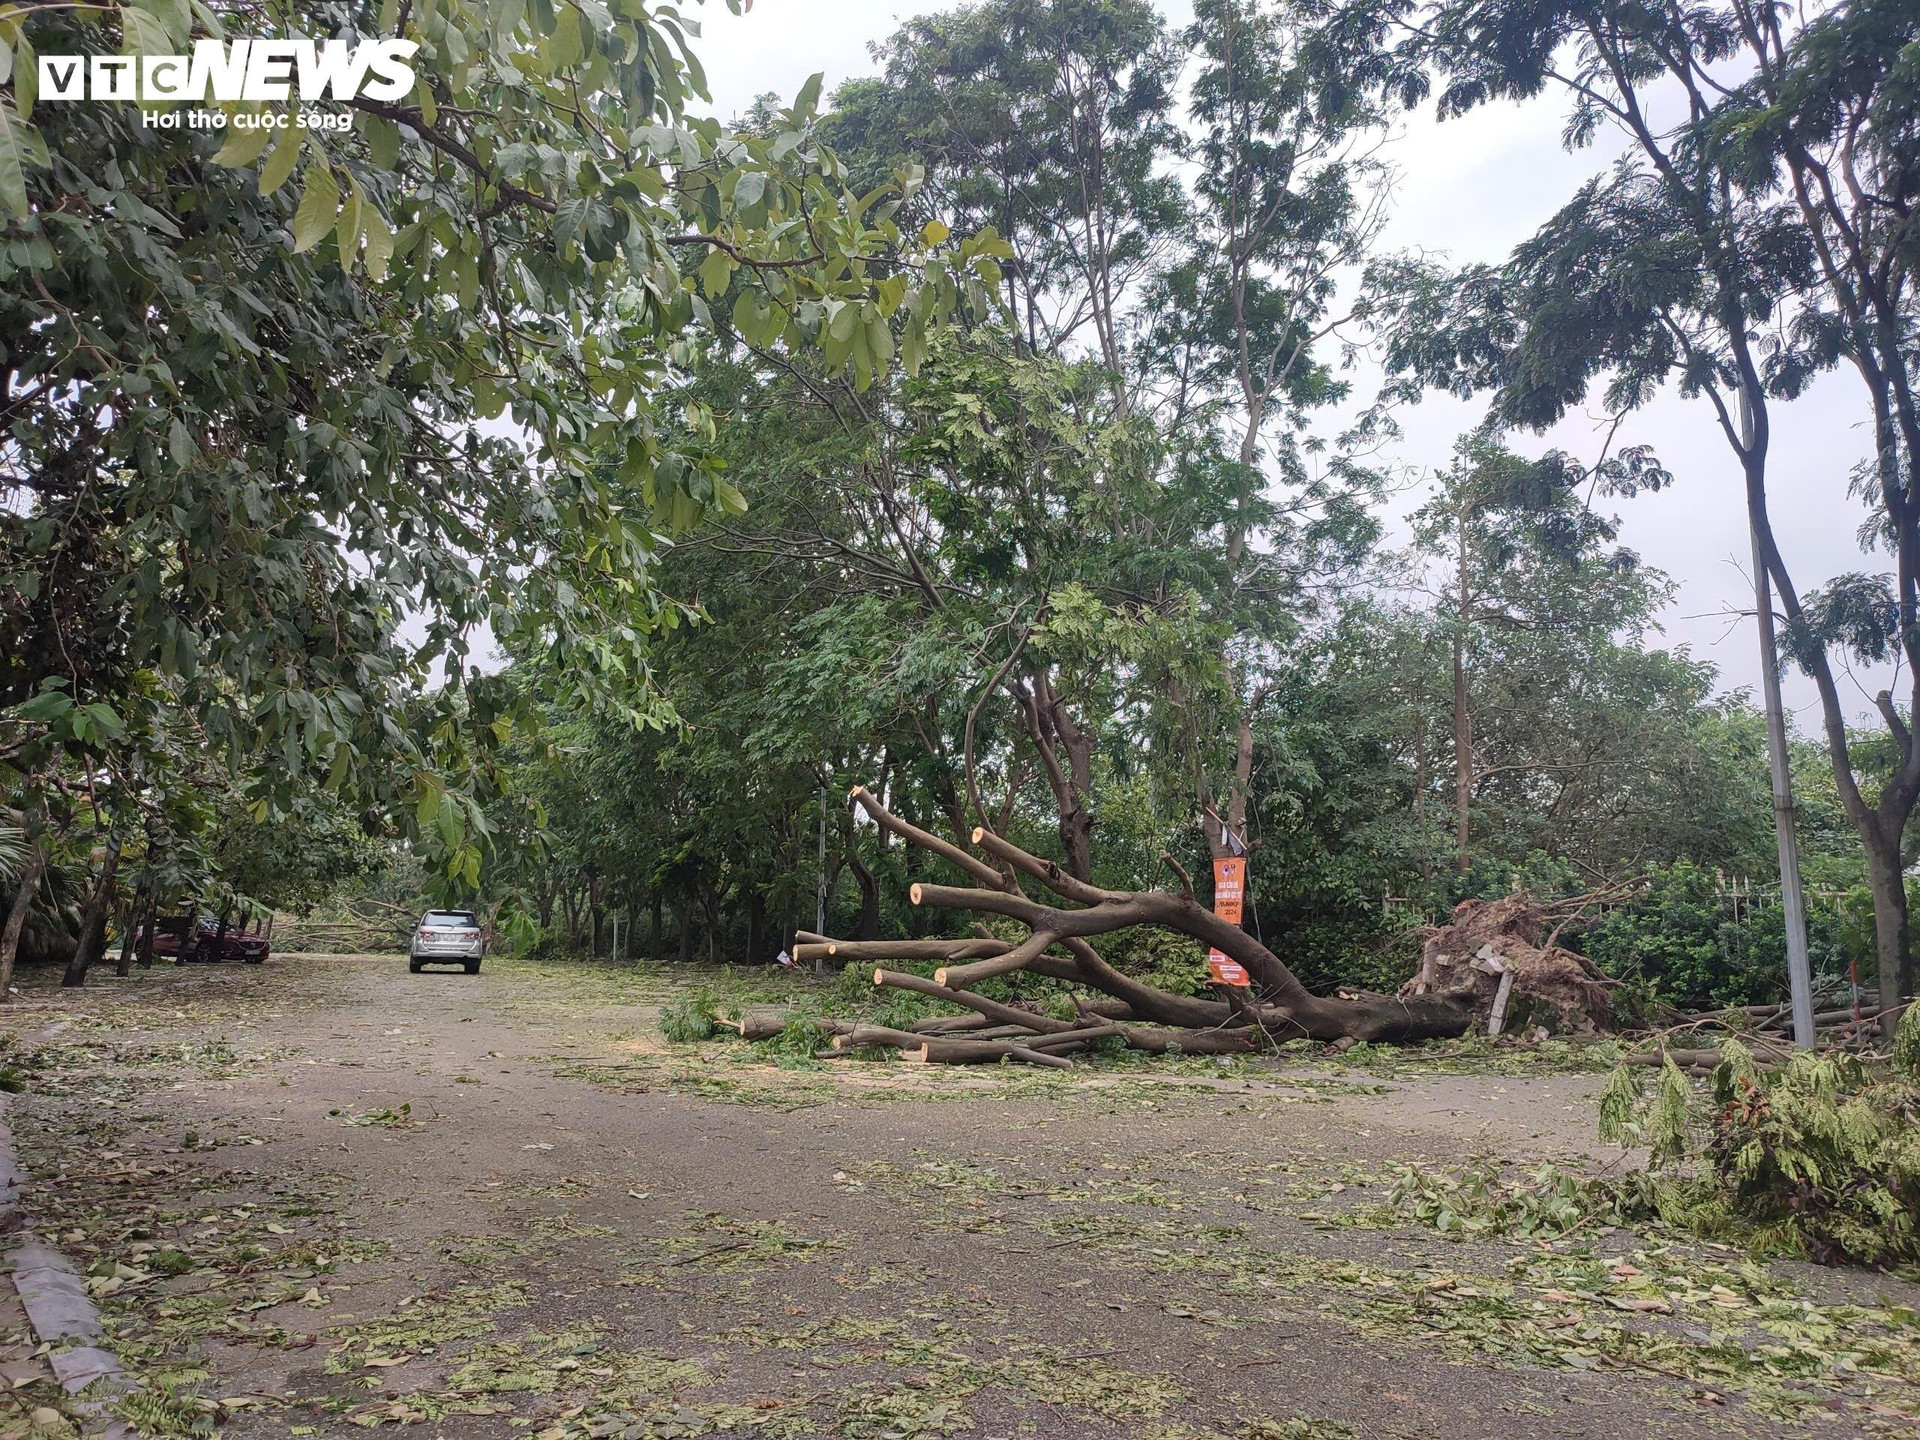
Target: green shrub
<point>1677,942</point>
<point>694,1016</point>
<point>1823,1155</point>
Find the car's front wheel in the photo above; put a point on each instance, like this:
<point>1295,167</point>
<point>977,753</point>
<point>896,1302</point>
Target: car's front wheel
<point>413,967</point>
<point>473,967</point>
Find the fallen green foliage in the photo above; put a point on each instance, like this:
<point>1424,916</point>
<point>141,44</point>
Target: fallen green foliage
<point>1818,1156</point>
<point>690,1018</point>
<point>1486,1200</point>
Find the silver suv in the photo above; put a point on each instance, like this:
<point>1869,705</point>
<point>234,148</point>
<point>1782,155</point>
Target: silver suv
<point>447,937</point>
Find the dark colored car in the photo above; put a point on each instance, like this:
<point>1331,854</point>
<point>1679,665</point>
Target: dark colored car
<point>197,940</point>
<point>447,937</point>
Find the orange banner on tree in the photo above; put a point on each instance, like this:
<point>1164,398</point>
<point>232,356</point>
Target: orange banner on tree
<point>1229,892</point>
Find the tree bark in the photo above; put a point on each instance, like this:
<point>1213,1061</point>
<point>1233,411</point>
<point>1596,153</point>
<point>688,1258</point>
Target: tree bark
<point>867,926</point>
<point>858,952</point>
<point>633,908</point>
<point>658,954</point>
<point>93,921</point>
<point>1892,954</point>
<point>136,913</point>
<point>710,906</point>
<point>146,930</point>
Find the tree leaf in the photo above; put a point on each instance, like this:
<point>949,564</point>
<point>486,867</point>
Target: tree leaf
<point>715,271</point>
<point>347,231</point>
<point>13,173</point>
<point>808,100</point>
<point>26,79</point>
<point>318,206</point>
<point>243,147</point>
<point>383,142</point>
<point>143,33</point>
<point>379,242</point>
<point>175,16</point>
<point>281,162</point>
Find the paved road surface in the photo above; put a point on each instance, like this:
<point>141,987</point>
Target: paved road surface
<point>340,1195</point>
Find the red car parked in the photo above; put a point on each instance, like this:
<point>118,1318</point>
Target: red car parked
<point>197,939</point>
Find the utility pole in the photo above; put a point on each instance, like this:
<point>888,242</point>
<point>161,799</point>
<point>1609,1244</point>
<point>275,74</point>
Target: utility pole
<point>1792,903</point>
<point>820,910</point>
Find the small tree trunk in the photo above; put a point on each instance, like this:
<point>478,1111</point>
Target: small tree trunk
<point>1420,792</point>
<point>658,954</point>
<point>18,911</point>
<point>633,917</point>
<point>867,927</point>
<point>710,904</point>
<point>1894,959</point>
<point>219,933</point>
<point>135,913</point>
<point>146,930</point>
<point>683,918</point>
<point>756,925</point>
<point>93,921</point>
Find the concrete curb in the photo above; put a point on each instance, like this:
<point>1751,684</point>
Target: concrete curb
<point>58,1307</point>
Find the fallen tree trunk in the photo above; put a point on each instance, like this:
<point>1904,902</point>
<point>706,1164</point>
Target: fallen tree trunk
<point>985,1052</point>
<point>1159,1041</point>
<point>1280,1004</point>
<point>993,1009</point>
<point>1275,1007</point>
<point>868,952</point>
<point>765,1024</point>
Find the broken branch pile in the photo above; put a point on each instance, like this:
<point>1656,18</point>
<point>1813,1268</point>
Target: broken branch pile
<point>1057,944</point>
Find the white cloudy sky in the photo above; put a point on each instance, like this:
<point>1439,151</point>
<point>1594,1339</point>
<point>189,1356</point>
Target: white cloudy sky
<point>1471,188</point>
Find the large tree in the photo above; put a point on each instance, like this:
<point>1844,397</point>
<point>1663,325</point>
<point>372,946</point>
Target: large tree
<point>296,419</point>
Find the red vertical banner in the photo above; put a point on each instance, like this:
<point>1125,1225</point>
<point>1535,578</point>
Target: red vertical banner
<point>1229,892</point>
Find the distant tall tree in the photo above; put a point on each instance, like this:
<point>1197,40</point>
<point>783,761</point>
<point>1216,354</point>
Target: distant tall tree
<point>1287,194</point>
<point>1521,552</point>
<point>1052,121</point>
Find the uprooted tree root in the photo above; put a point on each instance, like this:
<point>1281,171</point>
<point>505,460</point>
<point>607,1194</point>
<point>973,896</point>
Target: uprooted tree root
<point>1275,1008</point>
<point>1513,936</point>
